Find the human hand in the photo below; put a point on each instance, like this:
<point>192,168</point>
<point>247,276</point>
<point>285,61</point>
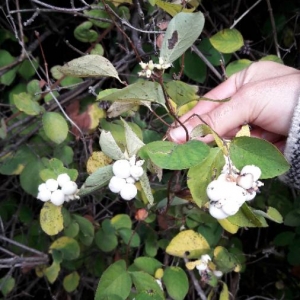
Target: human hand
<point>264,95</point>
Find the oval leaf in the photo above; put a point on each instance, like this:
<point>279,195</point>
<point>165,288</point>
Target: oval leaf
<point>55,126</point>
<point>176,282</point>
<point>189,244</point>
<point>92,65</point>
<point>182,32</point>
<point>168,155</point>
<point>69,247</point>
<point>71,282</point>
<point>249,151</point>
<point>227,40</point>
<point>51,219</point>
<point>25,102</point>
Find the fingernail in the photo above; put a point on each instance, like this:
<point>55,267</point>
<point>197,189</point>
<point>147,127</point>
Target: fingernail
<point>178,134</point>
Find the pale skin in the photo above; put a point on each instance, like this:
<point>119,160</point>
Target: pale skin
<point>264,96</point>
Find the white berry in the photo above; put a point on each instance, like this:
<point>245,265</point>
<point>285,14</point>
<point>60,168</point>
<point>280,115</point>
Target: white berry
<point>128,192</point>
<point>130,180</point>
<point>52,185</point>
<point>44,195</point>
<point>136,172</point>
<point>62,179</point>
<point>57,197</point>
<point>69,188</point>
<point>237,194</point>
<point>230,207</point>
<point>245,180</point>
<point>121,168</point>
<point>254,170</point>
<point>218,273</point>
<point>116,184</point>
<point>42,187</point>
<point>217,213</point>
<point>214,190</point>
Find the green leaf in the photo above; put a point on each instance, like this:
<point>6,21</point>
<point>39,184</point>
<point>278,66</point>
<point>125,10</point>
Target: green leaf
<point>86,227</point>
<point>201,175</point>
<point>271,213</point>
<point>271,57</point>
<point>211,54</point>
<point>72,229</point>
<point>55,127</point>
<point>176,282</point>
<point>98,50</point>
<point>147,264</point>
<point>130,237</point>
<point>7,284</point>
<point>182,32</point>
<point>69,247</point>
<point>90,66</point>
<point>34,89</point>
<point>109,146</point>
<point>65,154</point>
<point>227,40</point>
<point>249,150</point>
<point>181,92</point>
<point>27,68</point>
<point>51,219</point>
<point>133,142</point>
<point>114,281</point>
<point>189,244</point>
<point>5,59</point>
<point>138,92</point>
<point>194,67</point>
<point>172,9</point>
<point>292,218</point>
<point>224,260</point>
<point>121,221</point>
<point>84,33</point>
<point>106,241</point>
<point>71,282</point>
<point>52,272</point>
<point>30,179</point>
<point>3,129</point>
<point>284,239</point>
<point>144,283</point>
<point>24,102</point>
<point>237,66</point>
<point>98,12</point>
<point>168,155</point>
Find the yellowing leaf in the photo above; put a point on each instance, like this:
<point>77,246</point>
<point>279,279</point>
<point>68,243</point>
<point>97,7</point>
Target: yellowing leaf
<point>96,114</point>
<point>244,131</point>
<point>227,40</point>
<point>191,265</point>
<point>228,226</point>
<point>172,9</point>
<point>51,219</point>
<point>90,66</point>
<point>189,244</point>
<point>96,161</point>
<point>24,102</point>
<point>67,246</point>
<point>71,282</point>
<point>225,293</point>
<point>52,272</point>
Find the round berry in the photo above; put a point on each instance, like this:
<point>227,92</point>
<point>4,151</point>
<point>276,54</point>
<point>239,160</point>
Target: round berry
<point>116,184</point>
<point>136,172</point>
<point>254,170</point>
<point>230,207</point>
<point>57,197</point>
<point>217,213</point>
<point>130,179</point>
<point>236,194</point>
<point>69,188</point>
<point>214,190</point>
<point>52,185</point>
<point>44,195</point>
<point>128,192</point>
<point>121,168</point>
<point>42,187</point>
<point>250,196</point>
<point>245,181</point>
<point>218,273</point>
<point>62,179</point>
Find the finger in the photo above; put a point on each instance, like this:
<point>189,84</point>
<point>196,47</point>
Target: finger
<point>266,135</point>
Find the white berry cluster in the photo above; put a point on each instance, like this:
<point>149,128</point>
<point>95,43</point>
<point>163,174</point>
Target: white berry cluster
<point>232,188</point>
<point>126,173</point>
<point>58,191</point>
<point>147,68</point>
<point>203,268</point>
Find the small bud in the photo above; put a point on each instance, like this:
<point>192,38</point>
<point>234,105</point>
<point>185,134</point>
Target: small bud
<point>159,273</point>
<point>57,197</point>
<point>157,66</point>
<point>143,65</point>
<point>62,179</point>
<point>52,185</point>
<point>128,192</point>
<point>218,273</point>
<point>150,65</point>
<point>148,73</point>
<point>141,214</point>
